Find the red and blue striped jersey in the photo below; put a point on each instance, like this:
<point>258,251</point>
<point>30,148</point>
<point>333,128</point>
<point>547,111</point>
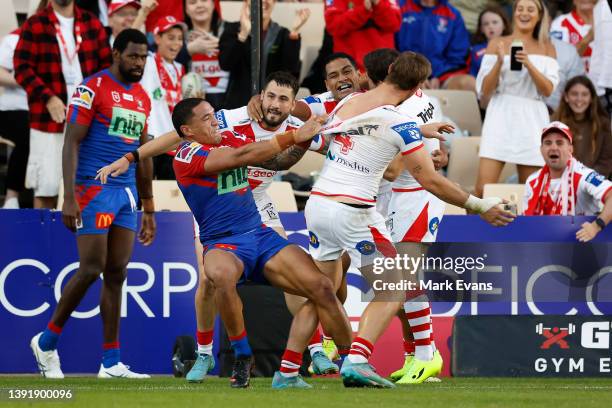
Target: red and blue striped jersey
<point>222,203</point>
<point>116,115</point>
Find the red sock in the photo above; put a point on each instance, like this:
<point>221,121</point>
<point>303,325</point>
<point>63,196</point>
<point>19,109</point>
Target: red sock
<point>205,341</point>
<point>53,328</point>
<point>315,344</point>
<point>291,363</point>
<point>361,350</point>
<point>409,347</point>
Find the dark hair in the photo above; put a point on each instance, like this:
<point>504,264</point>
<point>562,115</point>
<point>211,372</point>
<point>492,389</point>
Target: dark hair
<point>129,35</point>
<point>595,114</point>
<point>215,22</point>
<point>479,36</point>
<point>283,78</point>
<point>409,70</point>
<point>334,56</point>
<point>183,112</point>
<point>377,63</point>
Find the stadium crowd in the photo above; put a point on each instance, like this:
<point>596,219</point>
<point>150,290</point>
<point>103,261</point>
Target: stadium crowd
<point>87,65</point>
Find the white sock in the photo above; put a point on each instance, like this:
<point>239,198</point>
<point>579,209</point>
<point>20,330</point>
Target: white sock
<point>418,314</point>
<point>205,349</point>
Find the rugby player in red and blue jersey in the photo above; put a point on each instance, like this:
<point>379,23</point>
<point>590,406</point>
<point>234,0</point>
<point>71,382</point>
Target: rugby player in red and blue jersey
<point>107,118</point>
<point>211,170</point>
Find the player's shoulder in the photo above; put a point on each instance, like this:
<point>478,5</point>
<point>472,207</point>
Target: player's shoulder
<point>186,152</point>
<point>230,118</point>
<point>590,176</point>
<point>231,138</point>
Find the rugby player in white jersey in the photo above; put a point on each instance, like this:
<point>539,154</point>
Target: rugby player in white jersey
<point>412,214</point>
<point>367,132</point>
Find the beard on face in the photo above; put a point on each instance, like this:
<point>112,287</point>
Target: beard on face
<point>272,122</point>
<point>63,3</point>
<point>129,75</point>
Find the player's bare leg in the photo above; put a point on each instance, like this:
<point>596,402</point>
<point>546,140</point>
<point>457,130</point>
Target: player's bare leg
<point>115,272</point>
<point>295,272</point>
<point>224,269</point>
<point>205,311</point>
<point>92,256</point>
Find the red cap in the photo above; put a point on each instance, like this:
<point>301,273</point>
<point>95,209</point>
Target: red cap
<point>117,4</point>
<point>166,23</point>
<point>560,127</point>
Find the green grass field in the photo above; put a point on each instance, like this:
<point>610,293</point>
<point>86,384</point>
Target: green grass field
<point>215,392</point>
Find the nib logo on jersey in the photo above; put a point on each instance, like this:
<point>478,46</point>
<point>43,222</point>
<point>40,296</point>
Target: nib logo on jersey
<point>232,180</point>
<point>127,124</point>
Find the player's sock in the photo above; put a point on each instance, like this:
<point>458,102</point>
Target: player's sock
<point>291,363</point>
<point>240,345</point>
<point>49,337</point>
<point>111,355</point>
<point>315,344</point>
<point>431,338</point>
<point>343,352</point>
<point>361,350</point>
<point>409,347</point>
<point>418,314</point>
<point>205,341</point>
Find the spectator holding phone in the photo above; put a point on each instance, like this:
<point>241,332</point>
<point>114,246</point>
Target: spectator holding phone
<point>514,88</point>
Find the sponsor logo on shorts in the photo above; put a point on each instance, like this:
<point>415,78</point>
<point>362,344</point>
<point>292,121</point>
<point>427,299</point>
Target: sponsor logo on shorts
<point>408,131</point>
<point>366,247</point>
<point>314,240</point>
<point>83,96</point>
<point>595,179</point>
<point>127,124</point>
<point>104,220</point>
<point>434,224</point>
<point>226,247</point>
<point>232,180</point>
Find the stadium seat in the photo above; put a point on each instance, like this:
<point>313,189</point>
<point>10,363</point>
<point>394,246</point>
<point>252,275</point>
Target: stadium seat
<point>8,18</point>
<point>311,162</point>
<point>463,162</point>
<point>282,196</point>
<point>511,192</point>
<point>460,106</point>
<point>284,14</point>
<point>168,197</point>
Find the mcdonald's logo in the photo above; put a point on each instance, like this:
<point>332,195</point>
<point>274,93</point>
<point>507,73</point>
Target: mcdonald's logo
<point>104,220</point>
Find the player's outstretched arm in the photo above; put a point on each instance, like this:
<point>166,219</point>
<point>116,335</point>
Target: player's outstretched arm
<point>421,166</point>
<point>71,212</point>
<point>436,130</point>
<point>589,230</point>
<point>285,159</point>
<point>255,153</point>
<point>165,143</point>
<point>144,183</point>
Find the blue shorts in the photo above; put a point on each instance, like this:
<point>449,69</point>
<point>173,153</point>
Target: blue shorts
<point>103,206</point>
<point>253,248</point>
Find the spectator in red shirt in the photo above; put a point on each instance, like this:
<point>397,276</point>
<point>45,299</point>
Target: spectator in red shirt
<point>361,26</point>
<point>59,47</point>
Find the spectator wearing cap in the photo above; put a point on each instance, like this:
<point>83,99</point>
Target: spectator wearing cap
<point>565,186</point>
<point>58,47</point>
<point>162,8</point>
<point>358,27</point>
<point>121,15</point>
<point>162,81</point>
<point>203,17</point>
<point>436,29</point>
<point>280,50</point>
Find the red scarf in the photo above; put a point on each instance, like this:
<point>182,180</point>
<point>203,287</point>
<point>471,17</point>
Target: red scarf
<point>173,90</point>
<point>541,202</point>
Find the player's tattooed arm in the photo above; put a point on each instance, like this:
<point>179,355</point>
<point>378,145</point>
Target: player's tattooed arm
<point>285,159</point>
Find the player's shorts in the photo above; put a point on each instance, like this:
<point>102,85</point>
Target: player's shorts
<point>335,227</point>
<point>414,216</point>
<point>103,206</point>
<point>382,203</point>
<point>44,170</point>
<point>253,248</point>
<point>267,211</point>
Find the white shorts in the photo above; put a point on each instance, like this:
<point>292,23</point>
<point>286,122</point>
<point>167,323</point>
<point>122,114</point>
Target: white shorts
<point>382,203</point>
<point>44,171</point>
<point>335,227</point>
<point>415,216</point>
<point>267,212</point>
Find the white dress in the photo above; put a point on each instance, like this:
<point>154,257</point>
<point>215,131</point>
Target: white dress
<point>516,113</point>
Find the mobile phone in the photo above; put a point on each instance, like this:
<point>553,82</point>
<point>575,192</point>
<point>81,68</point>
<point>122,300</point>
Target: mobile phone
<point>516,46</point>
<point>511,207</point>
